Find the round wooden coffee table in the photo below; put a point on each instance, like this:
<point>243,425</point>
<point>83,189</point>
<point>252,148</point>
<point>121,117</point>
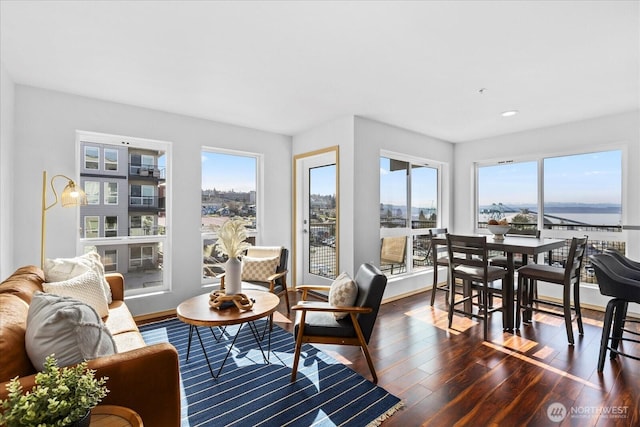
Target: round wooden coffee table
<point>197,312</point>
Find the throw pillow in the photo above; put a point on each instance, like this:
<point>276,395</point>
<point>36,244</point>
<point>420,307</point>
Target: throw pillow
<point>343,293</point>
<point>86,288</point>
<point>258,269</point>
<point>60,269</point>
<point>67,328</point>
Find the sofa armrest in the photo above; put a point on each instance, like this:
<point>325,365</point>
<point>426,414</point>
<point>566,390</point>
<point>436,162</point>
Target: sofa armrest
<point>146,380</point>
<point>116,282</point>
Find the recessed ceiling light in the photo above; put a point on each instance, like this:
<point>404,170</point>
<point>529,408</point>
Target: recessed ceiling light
<point>509,113</point>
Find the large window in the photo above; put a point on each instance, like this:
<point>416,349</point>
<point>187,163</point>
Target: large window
<point>572,195</point>
<point>140,251</point>
<point>229,190</point>
<point>508,190</point>
<point>409,194</point>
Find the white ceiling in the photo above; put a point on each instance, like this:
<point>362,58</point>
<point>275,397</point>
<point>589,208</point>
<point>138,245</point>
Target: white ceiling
<point>288,66</point>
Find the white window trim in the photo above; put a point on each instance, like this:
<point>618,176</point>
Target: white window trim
<point>166,239</point>
<point>107,194</point>
<point>411,233</point>
<point>117,162</point>
<point>85,157</point>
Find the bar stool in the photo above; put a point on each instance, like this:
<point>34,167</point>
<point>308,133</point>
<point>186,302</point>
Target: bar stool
<point>567,277</point>
<point>617,280</point>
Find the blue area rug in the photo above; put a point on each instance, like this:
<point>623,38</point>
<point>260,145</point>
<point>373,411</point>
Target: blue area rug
<point>250,392</point>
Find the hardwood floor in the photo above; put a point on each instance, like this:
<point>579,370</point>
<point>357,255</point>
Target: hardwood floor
<point>452,377</point>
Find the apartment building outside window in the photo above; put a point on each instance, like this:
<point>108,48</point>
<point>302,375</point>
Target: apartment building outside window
<point>128,223</point>
<point>409,197</point>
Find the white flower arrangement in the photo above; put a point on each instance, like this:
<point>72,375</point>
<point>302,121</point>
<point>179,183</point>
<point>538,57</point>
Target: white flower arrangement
<point>232,236</point>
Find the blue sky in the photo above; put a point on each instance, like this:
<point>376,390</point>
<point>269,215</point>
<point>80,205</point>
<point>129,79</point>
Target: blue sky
<point>584,178</point>
<point>226,172</point>
<point>393,186</point>
<point>323,180</point>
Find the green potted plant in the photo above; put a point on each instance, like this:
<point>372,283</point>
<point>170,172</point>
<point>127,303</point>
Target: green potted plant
<point>61,397</point>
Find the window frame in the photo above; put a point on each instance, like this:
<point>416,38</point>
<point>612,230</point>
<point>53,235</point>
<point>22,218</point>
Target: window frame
<point>86,159</point>
<point>109,195</point>
<point>86,228</point>
<point>91,196</point>
<point>252,234</point>
<point>162,277</point>
<point>413,234</point>
<point>109,162</point>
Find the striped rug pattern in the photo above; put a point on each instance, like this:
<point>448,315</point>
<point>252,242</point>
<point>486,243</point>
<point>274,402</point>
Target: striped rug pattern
<point>250,392</point>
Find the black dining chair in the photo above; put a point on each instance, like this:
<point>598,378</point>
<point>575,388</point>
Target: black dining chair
<point>469,262</point>
<point>568,277</point>
<point>616,279</point>
<point>440,258</point>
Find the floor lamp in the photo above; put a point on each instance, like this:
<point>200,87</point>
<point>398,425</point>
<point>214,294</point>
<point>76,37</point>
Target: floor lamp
<point>71,196</point>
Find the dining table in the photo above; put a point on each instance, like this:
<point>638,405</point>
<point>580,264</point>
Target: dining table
<point>510,245</point>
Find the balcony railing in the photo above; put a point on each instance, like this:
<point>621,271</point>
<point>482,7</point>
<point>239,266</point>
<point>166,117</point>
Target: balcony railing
<point>147,202</point>
<point>147,171</point>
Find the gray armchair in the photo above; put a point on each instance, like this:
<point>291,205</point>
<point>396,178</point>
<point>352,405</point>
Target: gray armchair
<point>315,322</point>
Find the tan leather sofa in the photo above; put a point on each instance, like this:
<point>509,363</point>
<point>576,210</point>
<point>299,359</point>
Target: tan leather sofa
<point>142,377</point>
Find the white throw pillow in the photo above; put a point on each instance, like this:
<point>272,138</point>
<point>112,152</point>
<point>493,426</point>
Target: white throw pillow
<point>60,269</point>
<point>258,269</point>
<point>67,328</point>
<point>86,288</point>
<point>343,293</point>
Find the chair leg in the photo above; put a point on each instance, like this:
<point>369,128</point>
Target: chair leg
<point>286,299</point>
<point>576,306</point>
<point>566,306</point>
<point>606,329</point>
<point>485,308</point>
<point>296,354</point>
<point>434,288</point>
<point>365,349</point>
<point>618,325</point>
<point>519,297</point>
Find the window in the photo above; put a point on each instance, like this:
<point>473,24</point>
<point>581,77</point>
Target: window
<point>409,194</point>
<point>110,226</point>
<point>139,252</point>
<point>110,193</point>
<point>110,260</point>
<point>142,225</point>
<point>91,227</point>
<point>583,189</point>
<point>92,189</point>
<point>141,256</point>
<point>508,190</point>
<point>229,189</point>
<point>142,195</point>
<point>110,159</point>
<point>575,195</point>
<point>91,157</point>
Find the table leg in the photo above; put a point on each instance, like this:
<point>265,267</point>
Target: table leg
<point>189,345</point>
<point>204,351</point>
<point>508,300</point>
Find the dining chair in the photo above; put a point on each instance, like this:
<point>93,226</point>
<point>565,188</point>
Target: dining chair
<point>440,258</point>
<point>316,323</point>
<point>469,262</point>
<point>616,279</point>
<point>568,277</point>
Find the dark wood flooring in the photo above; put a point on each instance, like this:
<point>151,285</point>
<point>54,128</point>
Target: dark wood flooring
<point>452,377</point>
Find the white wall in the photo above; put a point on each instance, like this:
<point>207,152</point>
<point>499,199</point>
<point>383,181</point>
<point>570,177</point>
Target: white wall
<point>611,132</point>
<point>6,172</point>
<point>370,138</point>
<point>45,126</point>
<point>336,132</point>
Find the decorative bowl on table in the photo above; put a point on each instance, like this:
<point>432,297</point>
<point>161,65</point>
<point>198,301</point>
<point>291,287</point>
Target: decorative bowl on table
<point>498,230</point>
